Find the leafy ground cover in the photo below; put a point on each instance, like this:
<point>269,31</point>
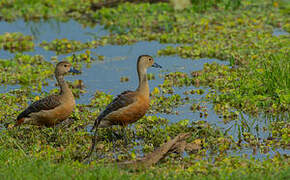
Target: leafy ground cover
<point>56,151</point>
<point>255,82</point>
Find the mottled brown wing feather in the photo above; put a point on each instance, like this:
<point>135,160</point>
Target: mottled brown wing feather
<point>47,103</point>
<point>124,99</point>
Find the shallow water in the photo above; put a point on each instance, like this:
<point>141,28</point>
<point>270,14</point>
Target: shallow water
<point>48,31</point>
<point>279,32</point>
<point>121,61</point>
<point>51,29</point>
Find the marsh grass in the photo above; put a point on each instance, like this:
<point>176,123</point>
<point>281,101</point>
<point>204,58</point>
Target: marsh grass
<point>19,167</point>
<point>203,5</point>
<point>14,166</point>
<point>271,77</point>
<point>275,75</point>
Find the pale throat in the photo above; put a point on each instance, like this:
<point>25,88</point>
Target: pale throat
<point>64,89</point>
<point>143,87</point>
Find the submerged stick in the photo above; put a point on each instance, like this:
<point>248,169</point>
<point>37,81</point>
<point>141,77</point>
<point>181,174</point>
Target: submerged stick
<point>155,156</point>
<point>178,145</point>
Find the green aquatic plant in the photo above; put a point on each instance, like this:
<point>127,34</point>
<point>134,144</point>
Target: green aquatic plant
<point>251,94</point>
<point>16,42</point>
<point>79,59</point>
<point>124,79</point>
<point>280,133</point>
<point>64,46</point>
<point>26,70</point>
<point>166,104</point>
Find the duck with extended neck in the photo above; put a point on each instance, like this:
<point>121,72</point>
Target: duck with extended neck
<point>129,106</point>
<point>52,109</point>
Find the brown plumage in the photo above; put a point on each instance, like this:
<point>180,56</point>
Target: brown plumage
<point>54,108</point>
<point>129,106</point>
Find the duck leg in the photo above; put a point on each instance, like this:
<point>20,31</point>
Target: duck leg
<point>122,134</point>
<point>125,135</point>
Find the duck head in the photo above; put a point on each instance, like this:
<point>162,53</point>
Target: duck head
<point>146,61</point>
<point>64,67</point>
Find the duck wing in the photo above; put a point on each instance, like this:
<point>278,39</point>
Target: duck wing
<point>122,100</point>
<point>47,103</point>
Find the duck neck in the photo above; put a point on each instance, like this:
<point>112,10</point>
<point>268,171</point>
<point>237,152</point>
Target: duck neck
<point>143,87</point>
<point>64,89</point>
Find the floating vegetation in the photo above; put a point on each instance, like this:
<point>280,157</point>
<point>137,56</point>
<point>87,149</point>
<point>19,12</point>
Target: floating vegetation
<point>79,59</point>
<point>16,42</point>
<point>124,79</point>
<point>166,104</point>
<point>237,90</point>
<point>25,69</point>
<point>150,76</point>
<point>64,46</point>
<point>77,87</point>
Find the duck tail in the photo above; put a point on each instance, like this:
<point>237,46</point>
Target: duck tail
<point>97,122</point>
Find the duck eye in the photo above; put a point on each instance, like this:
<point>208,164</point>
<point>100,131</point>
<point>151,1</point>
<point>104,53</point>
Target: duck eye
<point>65,65</point>
<point>150,59</point>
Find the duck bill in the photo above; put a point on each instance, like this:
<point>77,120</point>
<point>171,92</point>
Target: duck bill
<point>156,65</point>
<point>73,70</point>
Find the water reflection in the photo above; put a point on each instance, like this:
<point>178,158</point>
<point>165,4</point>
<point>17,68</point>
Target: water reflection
<point>51,29</point>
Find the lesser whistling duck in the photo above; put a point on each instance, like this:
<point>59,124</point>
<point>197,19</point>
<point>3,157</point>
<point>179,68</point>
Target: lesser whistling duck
<point>129,106</point>
<point>52,109</point>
